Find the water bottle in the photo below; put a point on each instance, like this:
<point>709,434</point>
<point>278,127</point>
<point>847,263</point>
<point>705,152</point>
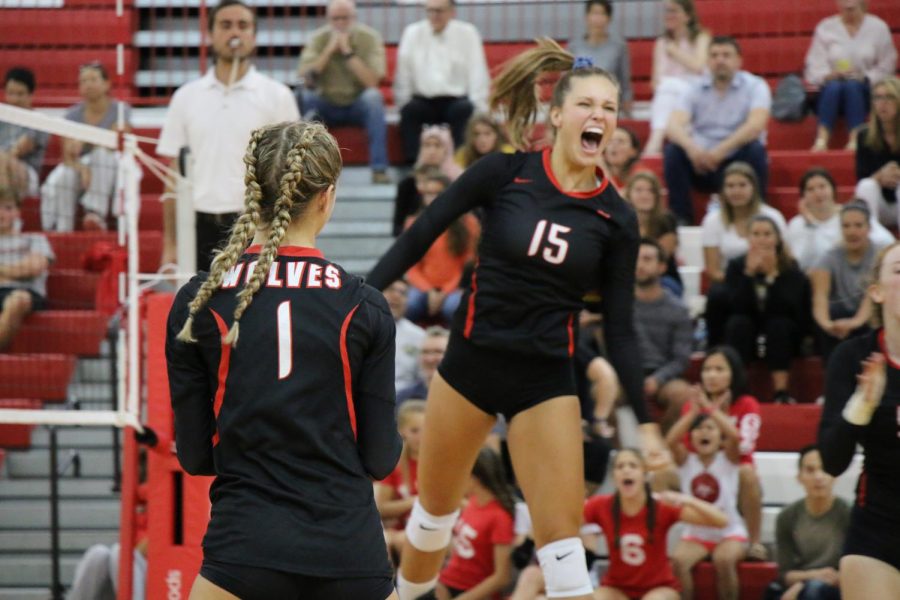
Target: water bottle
<point>700,335</point>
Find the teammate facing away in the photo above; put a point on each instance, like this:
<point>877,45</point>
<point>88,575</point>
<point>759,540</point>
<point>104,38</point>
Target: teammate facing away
<point>862,406</point>
<point>297,417</point>
<point>553,228</point>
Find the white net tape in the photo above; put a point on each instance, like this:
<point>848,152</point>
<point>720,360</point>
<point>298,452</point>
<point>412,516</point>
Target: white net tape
<point>123,201</point>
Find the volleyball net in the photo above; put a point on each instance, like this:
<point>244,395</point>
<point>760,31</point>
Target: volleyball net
<point>77,248</point>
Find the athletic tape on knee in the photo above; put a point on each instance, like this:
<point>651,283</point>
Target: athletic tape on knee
<point>565,569</point>
<point>427,532</point>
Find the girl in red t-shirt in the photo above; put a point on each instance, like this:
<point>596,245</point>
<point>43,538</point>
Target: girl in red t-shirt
<point>479,565</point>
<point>395,494</point>
<point>635,523</point>
<point>724,382</point>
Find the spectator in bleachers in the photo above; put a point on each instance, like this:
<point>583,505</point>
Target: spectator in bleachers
<point>816,228</point>
<point>621,156</point>
<point>442,75</point>
<point>809,536</point>
<point>607,49</point>
<point>213,117</point>
<point>724,237</point>
<point>721,119</point>
<point>664,329</point>
<point>644,192</point>
<point>434,344</point>
<point>396,493</point>
<point>841,307</point>
<point>435,281</point>
<point>850,52</point>
<point>24,262</point>
<point>409,336</point>
<point>709,471</point>
<point>769,302</point>
<point>479,565</point>
<point>680,56</point>
<point>21,149</point>
<point>483,136</point>
<point>341,67</point>
<point>87,174</point>
<point>861,410</point>
<point>878,154</point>
<point>723,380</point>
<point>435,151</point>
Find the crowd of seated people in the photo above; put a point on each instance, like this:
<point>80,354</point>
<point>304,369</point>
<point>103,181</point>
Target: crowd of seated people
<point>776,290</point>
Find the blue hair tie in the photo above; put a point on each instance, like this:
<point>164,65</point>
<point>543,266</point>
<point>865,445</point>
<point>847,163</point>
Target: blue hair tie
<point>582,62</point>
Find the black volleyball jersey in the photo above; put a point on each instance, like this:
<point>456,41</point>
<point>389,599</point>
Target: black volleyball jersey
<point>294,420</point>
<point>541,250</point>
<point>878,488</point>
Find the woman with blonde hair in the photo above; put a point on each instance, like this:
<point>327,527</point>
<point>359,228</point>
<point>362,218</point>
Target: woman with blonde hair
<point>878,154</point>
<point>281,372</point>
<point>861,408</point>
<point>553,229</point>
<point>483,136</point>
<point>395,494</point>
<point>643,191</point>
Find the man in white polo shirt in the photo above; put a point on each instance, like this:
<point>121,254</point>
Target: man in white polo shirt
<point>441,75</point>
<point>214,116</point>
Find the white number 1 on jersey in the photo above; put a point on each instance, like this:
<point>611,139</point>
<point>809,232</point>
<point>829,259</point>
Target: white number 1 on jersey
<point>556,247</point>
<point>285,340</point>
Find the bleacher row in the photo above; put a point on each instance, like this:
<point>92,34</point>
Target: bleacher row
<point>39,366</point>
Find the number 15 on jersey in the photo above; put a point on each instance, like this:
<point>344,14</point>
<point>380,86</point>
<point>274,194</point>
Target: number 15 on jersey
<point>554,247</point>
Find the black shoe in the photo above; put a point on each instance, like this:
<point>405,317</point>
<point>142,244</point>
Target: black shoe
<point>782,397</point>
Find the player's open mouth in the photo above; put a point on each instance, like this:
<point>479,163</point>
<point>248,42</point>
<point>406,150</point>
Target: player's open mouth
<point>590,139</point>
<point>627,482</point>
<point>704,442</point>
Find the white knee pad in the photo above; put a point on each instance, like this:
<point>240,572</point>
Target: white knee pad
<point>427,532</point>
<point>565,570</point>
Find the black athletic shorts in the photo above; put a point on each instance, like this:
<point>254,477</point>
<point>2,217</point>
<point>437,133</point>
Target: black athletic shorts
<point>501,382</point>
<point>253,583</point>
<point>38,302</point>
<point>868,536</point>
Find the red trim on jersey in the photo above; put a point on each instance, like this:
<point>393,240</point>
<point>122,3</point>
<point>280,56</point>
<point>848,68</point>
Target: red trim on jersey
<point>884,350</point>
<point>571,335</point>
<point>293,251</point>
<point>348,379</point>
<point>604,180</point>
<point>224,362</point>
<point>470,309</point>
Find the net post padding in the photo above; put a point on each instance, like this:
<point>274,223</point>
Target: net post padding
<point>174,554</point>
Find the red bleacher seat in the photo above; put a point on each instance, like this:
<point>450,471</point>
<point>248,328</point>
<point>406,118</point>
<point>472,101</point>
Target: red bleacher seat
<point>754,579</point>
<point>39,376</point>
<point>66,331</point>
<point>788,428</point>
<point>46,28</point>
<point>70,248</point>
<point>151,217</point>
<point>806,385</point>
<point>60,69</point>
<point>71,289</point>
<point>17,435</point>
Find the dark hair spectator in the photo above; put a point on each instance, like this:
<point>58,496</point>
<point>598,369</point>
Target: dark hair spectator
<point>721,120</point>
<point>22,75</point>
<point>644,192</point>
<point>21,149</point>
<point>769,308</point>
<point>606,48</point>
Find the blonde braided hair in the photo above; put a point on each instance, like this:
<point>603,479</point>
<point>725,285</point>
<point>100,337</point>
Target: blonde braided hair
<point>288,165</point>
